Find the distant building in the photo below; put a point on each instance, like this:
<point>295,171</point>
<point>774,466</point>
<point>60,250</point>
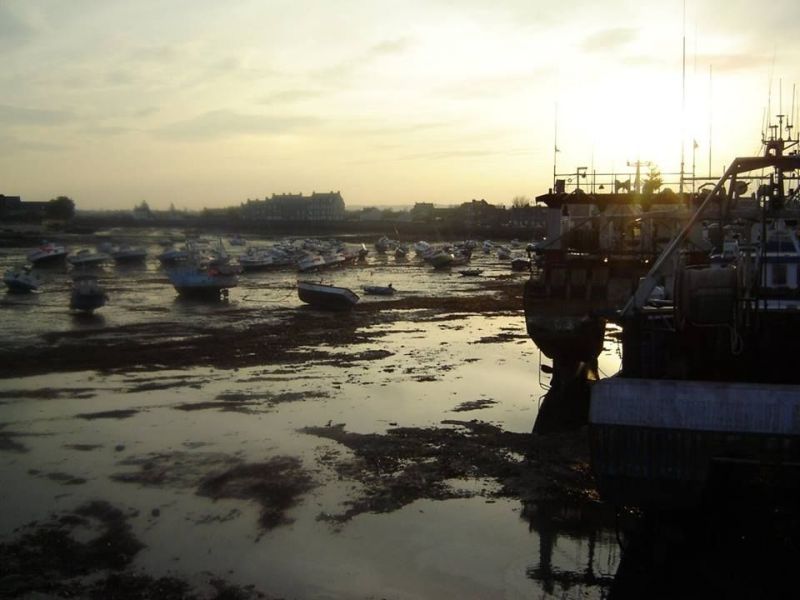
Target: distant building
<point>10,203</point>
<point>481,214</point>
<point>142,212</point>
<point>370,214</point>
<point>533,217</point>
<point>296,207</point>
<point>423,212</point>
<point>12,207</point>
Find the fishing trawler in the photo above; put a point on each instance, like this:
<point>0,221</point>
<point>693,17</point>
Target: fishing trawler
<point>709,385</point>
<point>602,236</point>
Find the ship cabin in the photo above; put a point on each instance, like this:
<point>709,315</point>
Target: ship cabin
<point>780,260</point>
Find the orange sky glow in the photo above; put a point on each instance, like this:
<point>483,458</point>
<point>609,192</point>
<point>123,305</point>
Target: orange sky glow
<point>206,104</point>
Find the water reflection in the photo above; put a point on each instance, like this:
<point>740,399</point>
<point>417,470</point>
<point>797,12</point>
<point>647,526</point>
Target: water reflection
<point>578,551</point>
<point>87,320</point>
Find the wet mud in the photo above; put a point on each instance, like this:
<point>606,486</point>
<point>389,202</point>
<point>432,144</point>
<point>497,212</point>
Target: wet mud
<point>223,342</point>
<point>407,464</point>
<point>277,484</point>
<point>88,553</point>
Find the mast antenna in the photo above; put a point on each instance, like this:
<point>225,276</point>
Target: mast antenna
<point>710,112</point>
<point>555,145</point>
<point>683,101</point>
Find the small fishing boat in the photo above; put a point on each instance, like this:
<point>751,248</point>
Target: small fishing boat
<point>87,295</point>
<point>521,264</point>
<point>383,244</point>
<point>310,261</point>
<point>21,280</point>
<point>47,253</point>
<point>261,259</point>
<point>441,259</point>
<point>128,254</point>
<point>470,272</point>
<point>329,297</point>
<point>379,290</point>
<point>88,258</point>
<point>203,280</point>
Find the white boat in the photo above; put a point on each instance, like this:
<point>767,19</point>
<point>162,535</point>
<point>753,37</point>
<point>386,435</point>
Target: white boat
<point>128,254</point>
<point>47,253</point>
<point>329,297</point>
<point>334,259</point>
<point>310,262</point>
<point>21,280</point>
<point>87,295</point>
<point>260,259</point>
<point>383,244</point>
<point>88,258</point>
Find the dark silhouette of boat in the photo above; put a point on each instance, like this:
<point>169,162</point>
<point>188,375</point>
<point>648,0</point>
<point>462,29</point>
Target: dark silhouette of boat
<point>329,297</point>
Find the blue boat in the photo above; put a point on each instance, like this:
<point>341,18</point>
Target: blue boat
<point>21,280</point>
<point>87,295</point>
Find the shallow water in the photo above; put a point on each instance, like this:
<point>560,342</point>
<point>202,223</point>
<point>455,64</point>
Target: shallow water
<point>65,445</point>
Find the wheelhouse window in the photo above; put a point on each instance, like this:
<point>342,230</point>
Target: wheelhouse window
<point>779,275</point>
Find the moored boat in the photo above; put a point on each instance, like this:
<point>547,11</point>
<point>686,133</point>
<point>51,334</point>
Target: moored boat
<point>202,280</point>
<point>329,297</point>
<point>48,253</point>
<point>88,258</point>
<point>87,295</point>
<point>21,280</point>
<point>379,290</point>
<point>128,254</point>
<point>709,387</point>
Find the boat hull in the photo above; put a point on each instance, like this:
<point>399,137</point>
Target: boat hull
<point>20,287</point>
<point>326,296</point>
<point>659,443</point>
<point>87,302</point>
<point>48,259</point>
<point>202,284</point>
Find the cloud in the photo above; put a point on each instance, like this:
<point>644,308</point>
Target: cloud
<point>219,124</point>
<point>13,29</point>
<point>446,154</point>
<point>19,116</point>
<point>106,130</point>
<point>734,62</point>
<point>14,146</point>
<point>371,54</point>
<point>145,112</point>
<point>609,40</point>
<point>290,96</point>
<point>497,85</point>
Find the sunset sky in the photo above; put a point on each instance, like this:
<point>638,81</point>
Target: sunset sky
<point>205,103</point>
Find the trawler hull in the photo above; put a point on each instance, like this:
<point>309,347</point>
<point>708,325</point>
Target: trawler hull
<point>659,443</point>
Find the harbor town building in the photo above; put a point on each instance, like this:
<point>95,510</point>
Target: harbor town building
<point>327,206</point>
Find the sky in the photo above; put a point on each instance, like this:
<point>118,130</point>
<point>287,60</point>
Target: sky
<point>201,103</point>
